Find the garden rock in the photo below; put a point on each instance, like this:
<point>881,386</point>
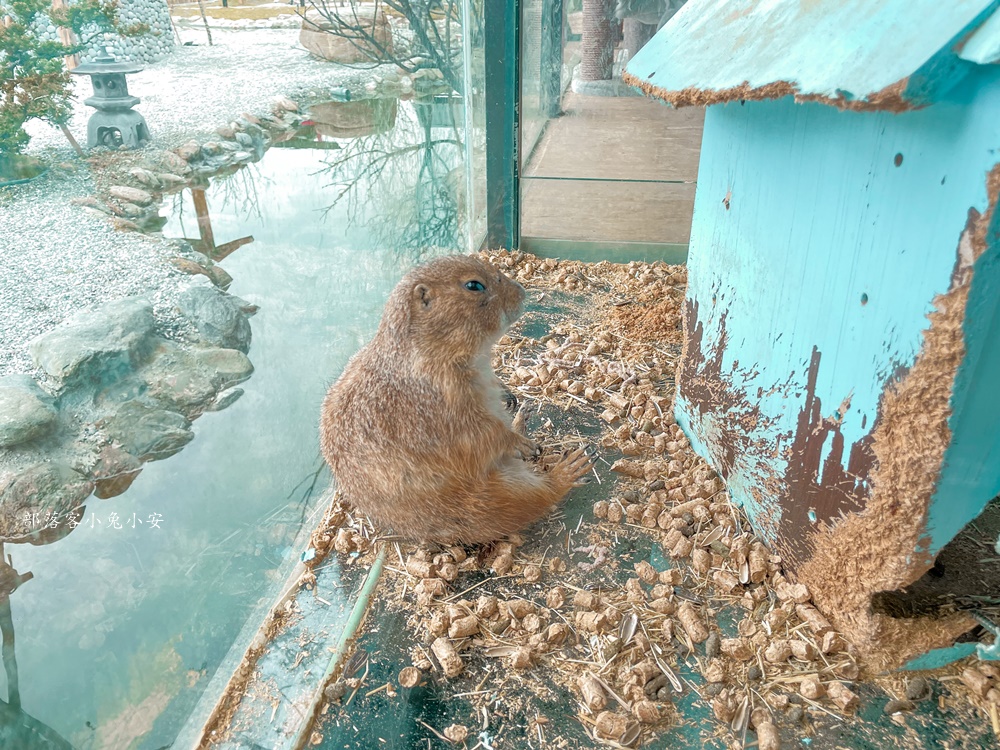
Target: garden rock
<point>189,150</point>
<point>145,177</point>
<point>114,472</point>
<point>100,345</point>
<point>177,379</point>
<point>171,180</point>
<point>131,195</point>
<point>220,277</point>
<point>315,36</point>
<point>217,316</point>
<point>124,225</point>
<point>214,273</point>
<point>23,415</point>
<point>225,399</point>
<point>175,163</point>
<point>228,366</point>
<point>188,266</point>
<point>27,383</point>
<point>43,489</point>
<point>148,432</point>
<point>283,103</point>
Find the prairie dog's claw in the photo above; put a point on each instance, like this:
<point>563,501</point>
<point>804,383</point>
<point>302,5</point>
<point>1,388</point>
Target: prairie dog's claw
<point>520,421</point>
<point>510,402</point>
<point>526,448</point>
<point>575,465</point>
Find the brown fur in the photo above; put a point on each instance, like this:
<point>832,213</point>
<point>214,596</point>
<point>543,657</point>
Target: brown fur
<point>414,429</point>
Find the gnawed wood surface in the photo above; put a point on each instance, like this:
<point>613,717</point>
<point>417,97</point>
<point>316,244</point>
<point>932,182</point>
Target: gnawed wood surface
<point>842,298</point>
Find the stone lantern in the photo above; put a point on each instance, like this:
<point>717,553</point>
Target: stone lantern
<point>114,123</point>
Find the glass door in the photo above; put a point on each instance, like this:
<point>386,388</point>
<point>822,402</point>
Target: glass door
<point>604,171</point>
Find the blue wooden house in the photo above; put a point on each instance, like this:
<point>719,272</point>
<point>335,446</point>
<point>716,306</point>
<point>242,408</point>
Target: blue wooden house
<point>842,360</point>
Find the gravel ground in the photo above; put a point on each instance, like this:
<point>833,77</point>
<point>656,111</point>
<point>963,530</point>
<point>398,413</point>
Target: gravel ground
<point>57,258</point>
<point>196,89</point>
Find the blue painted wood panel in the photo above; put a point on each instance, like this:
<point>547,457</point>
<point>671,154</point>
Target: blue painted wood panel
<point>820,240</point>
<point>892,53</point>
<point>971,468</point>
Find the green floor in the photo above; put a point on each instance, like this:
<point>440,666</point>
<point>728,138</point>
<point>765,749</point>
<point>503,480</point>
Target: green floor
<point>501,708</point>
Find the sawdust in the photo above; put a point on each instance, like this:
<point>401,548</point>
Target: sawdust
<point>889,99</point>
<point>244,679</point>
<point>873,550</point>
<point>644,322</point>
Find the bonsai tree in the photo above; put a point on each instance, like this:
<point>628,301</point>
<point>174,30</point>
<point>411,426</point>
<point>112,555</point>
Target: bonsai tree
<point>34,81</point>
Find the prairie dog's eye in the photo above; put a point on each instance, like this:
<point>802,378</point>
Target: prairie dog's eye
<point>475,286</point>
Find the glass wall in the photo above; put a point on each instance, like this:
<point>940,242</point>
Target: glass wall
<point>532,115</point>
<point>474,82</point>
<point>606,172</point>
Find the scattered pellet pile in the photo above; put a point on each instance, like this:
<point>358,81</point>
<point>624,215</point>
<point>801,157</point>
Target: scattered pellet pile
<point>714,613</point>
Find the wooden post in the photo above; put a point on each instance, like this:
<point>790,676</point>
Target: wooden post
<point>204,19</point>
<point>206,242</point>
<point>636,35</point>
<point>204,220</point>
<point>597,48</point>
<point>67,37</point>
<point>72,140</point>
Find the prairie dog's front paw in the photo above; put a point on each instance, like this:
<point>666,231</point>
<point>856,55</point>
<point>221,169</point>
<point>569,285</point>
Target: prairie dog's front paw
<point>526,448</point>
<point>571,467</point>
<point>520,421</point>
<point>510,402</point>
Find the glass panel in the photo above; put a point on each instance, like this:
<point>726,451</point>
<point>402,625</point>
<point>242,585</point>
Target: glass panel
<point>532,117</point>
<point>614,174</point>
<point>475,120</point>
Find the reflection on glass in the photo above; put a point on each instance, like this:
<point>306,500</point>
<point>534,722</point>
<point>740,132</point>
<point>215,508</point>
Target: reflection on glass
<point>439,42</point>
<point>532,117</point>
<point>412,174</point>
<point>17,728</point>
<point>641,19</point>
<point>205,241</point>
<point>121,627</point>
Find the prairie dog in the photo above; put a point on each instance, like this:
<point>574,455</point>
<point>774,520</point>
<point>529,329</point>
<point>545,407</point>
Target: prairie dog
<point>415,430</point>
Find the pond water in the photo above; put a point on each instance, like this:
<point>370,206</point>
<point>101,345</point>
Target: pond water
<point>121,629</point>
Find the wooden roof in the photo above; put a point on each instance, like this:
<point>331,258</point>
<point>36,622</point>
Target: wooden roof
<point>854,54</point>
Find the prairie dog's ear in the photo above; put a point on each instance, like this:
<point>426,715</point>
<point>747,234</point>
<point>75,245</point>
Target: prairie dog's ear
<point>422,294</point>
